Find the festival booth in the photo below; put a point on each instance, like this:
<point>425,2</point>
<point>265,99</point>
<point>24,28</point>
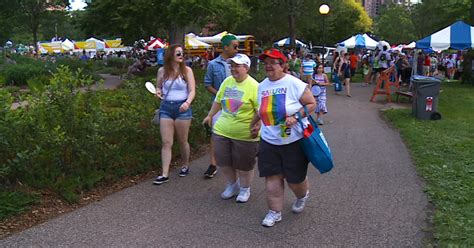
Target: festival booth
<point>115,45</point>
<point>359,41</point>
<point>246,42</point>
<point>155,44</point>
<point>286,42</point>
<point>194,46</point>
<point>458,36</point>
<point>50,47</point>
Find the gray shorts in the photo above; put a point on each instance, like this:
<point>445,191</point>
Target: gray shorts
<point>238,154</point>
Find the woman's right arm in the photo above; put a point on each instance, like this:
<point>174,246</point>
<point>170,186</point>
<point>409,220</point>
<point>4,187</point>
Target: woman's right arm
<point>159,83</point>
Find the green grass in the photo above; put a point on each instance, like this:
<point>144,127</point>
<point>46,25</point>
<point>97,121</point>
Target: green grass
<point>443,152</point>
<point>13,203</point>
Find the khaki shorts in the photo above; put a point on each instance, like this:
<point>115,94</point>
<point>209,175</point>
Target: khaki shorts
<point>240,155</point>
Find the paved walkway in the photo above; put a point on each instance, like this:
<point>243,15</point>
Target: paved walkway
<point>372,198</point>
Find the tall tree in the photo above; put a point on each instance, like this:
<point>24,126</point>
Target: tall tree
<point>392,18</point>
<point>33,13</point>
<point>137,19</point>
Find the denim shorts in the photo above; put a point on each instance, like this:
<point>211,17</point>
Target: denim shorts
<point>170,110</point>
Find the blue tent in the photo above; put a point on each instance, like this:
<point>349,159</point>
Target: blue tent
<point>359,41</point>
<point>459,36</point>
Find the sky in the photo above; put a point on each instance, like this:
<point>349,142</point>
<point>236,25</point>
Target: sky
<point>77,4</point>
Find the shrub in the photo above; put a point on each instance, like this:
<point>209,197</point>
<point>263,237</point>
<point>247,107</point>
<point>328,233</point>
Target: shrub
<point>118,63</point>
<point>68,141</point>
<point>19,74</point>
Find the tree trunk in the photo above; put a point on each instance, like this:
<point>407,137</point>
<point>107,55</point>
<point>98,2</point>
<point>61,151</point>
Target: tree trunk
<point>176,35</point>
<point>291,24</point>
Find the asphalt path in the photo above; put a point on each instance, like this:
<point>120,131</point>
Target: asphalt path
<point>372,198</point>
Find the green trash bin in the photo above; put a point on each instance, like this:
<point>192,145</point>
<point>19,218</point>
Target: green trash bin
<point>425,97</point>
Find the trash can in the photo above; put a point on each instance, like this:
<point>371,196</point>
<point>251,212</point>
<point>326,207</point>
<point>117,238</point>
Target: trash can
<point>425,97</point>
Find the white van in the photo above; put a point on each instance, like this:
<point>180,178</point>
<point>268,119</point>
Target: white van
<point>328,53</point>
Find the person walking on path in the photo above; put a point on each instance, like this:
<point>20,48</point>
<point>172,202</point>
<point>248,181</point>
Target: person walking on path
<point>335,73</point>
<point>235,148</point>
<point>345,72</point>
<point>218,70</point>
<point>281,98</point>
<point>320,81</point>
<point>354,60</point>
<point>176,86</point>
<point>307,69</point>
<point>295,65</point>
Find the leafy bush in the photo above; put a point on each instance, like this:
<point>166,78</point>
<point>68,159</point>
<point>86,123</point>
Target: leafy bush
<point>19,74</point>
<point>68,141</point>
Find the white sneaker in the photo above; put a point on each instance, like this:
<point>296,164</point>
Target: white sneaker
<point>244,195</point>
<point>299,204</point>
<point>271,218</point>
<point>230,191</point>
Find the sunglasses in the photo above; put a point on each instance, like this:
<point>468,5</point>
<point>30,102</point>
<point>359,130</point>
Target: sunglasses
<point>236,47</point>
<point>179,54</point>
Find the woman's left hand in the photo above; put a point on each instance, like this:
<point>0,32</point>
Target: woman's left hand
<point>184,107</point>
<point>291,121</point>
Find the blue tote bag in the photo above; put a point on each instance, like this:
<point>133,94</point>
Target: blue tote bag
<point>315,146</point>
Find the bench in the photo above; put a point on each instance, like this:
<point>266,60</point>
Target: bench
<point>407,94</point>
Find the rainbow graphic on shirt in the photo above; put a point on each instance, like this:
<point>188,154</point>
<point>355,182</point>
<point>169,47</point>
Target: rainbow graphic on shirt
<point>231,106</point>
<point>272,109</point>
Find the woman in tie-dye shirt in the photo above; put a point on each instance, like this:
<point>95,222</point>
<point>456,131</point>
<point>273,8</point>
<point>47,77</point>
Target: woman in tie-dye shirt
<point>281,98</point>
<point>234,146</point>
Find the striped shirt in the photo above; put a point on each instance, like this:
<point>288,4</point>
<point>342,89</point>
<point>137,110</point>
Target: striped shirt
<point>308,67</point>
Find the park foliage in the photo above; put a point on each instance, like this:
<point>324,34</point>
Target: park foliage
<point>68,138</point>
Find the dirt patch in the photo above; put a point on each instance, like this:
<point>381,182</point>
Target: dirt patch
<point>52,205</point>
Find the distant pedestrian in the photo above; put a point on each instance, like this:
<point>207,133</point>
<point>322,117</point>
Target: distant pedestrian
<point>345,72</point>
<point>354,60</point>
<point>307,69</point>
<point>320,81</point>
<point>295,65</point>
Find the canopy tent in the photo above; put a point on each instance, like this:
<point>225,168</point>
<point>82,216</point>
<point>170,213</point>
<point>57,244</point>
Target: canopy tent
<point>155,44</point>
<point>359,41</point>
<point>67,45</point>
<point>190,42</point>
<point>286,42</point>
<point>459,36</point>
<point>412,45</point>
<point>99,45</point>
<point>51,47</point>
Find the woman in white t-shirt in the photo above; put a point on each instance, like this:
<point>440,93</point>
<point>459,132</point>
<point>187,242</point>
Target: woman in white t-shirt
<point>281,98</point>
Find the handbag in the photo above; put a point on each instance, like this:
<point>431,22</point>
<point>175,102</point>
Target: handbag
<point>156,115</point>
<point>315,146</point>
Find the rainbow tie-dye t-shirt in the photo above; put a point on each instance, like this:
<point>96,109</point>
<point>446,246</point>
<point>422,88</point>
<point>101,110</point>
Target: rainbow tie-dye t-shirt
<point>277,100</point>
<point>239,103</point>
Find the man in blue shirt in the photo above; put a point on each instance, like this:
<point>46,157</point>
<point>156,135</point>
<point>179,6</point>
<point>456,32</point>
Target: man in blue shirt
<point>218,70</point>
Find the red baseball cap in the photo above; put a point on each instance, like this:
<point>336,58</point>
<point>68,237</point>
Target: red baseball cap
<point>274,54</point>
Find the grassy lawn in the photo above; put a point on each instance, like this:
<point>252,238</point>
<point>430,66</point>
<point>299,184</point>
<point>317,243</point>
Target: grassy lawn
<point>443,152</point>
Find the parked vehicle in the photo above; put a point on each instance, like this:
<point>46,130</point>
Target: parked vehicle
<point>328,53</point>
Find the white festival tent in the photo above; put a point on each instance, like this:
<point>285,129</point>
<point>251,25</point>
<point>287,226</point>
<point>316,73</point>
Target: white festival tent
<point>286,42</point>
<point>100,45</point>
<point>412,45</point>
<point>359,41</point>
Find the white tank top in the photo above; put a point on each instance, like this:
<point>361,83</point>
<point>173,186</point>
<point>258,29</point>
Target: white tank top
<point>178,92</point>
